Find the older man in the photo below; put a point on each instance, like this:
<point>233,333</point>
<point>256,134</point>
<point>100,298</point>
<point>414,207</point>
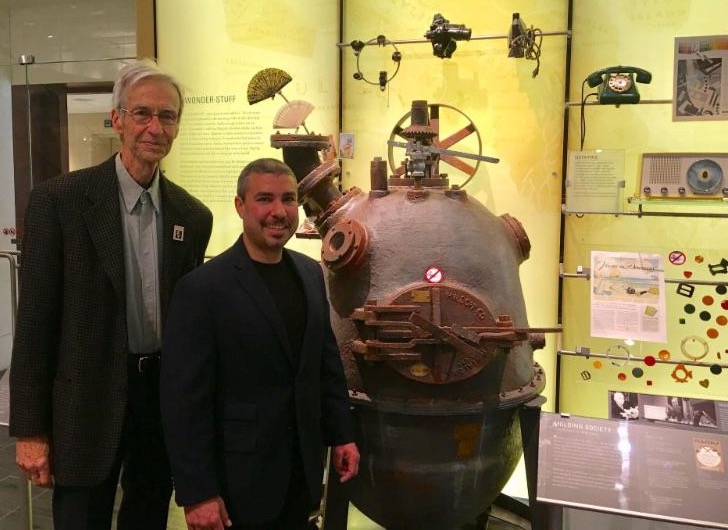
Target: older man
<point>102,250</point>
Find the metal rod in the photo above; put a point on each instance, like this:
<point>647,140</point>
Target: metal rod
<point>30,131</point>
<point>476,37</point>
<point>432,149</point>
<point>24,486</point>
<point>696,282</point>
<point>86,60</point>
<point>640,102</point>
<point>10,256</point>
<point>574,275</point>
<point>667,280</point>
<point>633,358</point>
<point>643,213</point>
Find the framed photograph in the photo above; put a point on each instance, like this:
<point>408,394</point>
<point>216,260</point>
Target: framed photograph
<point>346,145</point>
<point>700,76</point>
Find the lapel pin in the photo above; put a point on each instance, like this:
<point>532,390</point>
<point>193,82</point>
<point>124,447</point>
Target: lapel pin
<point>178,234</point>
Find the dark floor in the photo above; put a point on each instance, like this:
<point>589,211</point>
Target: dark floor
<point>14,514</point>
<point>11,499</point>
<point>13,517</point>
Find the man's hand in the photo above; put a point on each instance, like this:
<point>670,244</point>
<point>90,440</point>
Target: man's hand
<point>346,461</point>
<point>33,457</point>
<point>207,515</point>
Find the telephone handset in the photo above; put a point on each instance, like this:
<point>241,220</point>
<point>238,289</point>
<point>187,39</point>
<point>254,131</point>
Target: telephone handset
<point>617,84</point>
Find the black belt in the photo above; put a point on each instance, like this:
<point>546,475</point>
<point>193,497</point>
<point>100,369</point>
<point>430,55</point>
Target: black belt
<point>145,362</point>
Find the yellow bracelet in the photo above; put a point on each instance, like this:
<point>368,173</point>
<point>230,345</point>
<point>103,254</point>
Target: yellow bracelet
<point>694,338</point>
<point>623,358</point>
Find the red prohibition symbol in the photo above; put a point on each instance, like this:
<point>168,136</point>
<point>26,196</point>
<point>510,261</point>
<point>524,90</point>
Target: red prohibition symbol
<point>677,258</point>
<point>434,275</point>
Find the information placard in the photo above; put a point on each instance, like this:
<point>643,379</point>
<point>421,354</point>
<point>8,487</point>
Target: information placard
<point>595,181</point>
<point>628,296</point>
<point>634,468</point>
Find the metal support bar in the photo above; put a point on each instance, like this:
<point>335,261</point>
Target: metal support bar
<point>107,59</point>
<point>631,357</point>
<point>586,275</point>
<point>13,264</point>
<point>641,102</point>
<point>475,37</point>
<point>643,213</point>
<point>544,516</point>
<point>335,503</point>
<point>24,486</point>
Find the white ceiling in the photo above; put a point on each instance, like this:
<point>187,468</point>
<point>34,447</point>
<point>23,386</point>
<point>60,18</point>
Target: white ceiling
<point>72,30</point>
<point>71,41</point>
<point>14,4</point>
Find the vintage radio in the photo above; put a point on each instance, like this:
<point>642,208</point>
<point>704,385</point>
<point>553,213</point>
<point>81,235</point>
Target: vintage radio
<point>684,175</point>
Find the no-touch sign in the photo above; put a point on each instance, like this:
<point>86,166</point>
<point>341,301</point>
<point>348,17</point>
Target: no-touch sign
<point>677,258</point>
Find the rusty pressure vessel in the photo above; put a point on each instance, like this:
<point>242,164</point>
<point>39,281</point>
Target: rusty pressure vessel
<point>429,315</point>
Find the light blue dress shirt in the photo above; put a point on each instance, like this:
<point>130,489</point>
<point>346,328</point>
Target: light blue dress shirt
<point>141,219</point>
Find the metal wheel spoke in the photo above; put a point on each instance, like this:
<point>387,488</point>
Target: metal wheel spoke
<point>463,133</point>
<point>442,115</point>
<point>458,164</point>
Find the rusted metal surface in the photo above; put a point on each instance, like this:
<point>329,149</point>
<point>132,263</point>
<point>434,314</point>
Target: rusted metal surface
<point>428,311</point>
<point>430,467</point>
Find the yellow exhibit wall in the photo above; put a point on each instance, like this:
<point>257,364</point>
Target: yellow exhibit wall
<point>519,118</point>
<point>642,34</point>
<point>217,47</point>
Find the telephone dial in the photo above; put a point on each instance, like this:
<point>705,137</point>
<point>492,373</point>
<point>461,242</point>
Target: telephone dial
<point>617,84</point>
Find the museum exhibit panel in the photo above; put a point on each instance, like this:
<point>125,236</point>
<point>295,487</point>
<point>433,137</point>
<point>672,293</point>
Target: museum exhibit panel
<point>518,207</point>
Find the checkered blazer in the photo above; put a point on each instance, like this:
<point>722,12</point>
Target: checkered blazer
<point>68,373</point>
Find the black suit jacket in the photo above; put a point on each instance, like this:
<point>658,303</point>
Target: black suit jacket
<point>232,400</point>
<point>68,373</point>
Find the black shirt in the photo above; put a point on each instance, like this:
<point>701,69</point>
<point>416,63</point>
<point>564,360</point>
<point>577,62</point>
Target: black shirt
<point>285,287</point>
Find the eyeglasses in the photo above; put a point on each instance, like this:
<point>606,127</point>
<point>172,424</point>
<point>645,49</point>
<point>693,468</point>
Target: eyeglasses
<point>143,116</point>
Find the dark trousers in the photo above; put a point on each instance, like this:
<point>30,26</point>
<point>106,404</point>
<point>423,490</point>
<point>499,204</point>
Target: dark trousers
<point>296,508</point>
<point>145,473</point>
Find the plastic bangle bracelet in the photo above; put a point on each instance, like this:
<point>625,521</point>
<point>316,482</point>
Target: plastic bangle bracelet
<point>618,354</point>
<point>692,339</point>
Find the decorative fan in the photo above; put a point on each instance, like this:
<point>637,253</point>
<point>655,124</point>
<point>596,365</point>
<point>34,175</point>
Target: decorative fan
<point>266,84</point>
<point>293,114</point>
